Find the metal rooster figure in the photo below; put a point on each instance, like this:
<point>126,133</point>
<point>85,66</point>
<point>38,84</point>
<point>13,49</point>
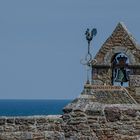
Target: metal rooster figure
<point>89,35</point>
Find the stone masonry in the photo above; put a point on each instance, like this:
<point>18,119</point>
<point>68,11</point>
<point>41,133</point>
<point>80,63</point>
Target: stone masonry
<point>91,121</point>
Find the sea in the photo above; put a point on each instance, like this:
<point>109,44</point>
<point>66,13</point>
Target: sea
<point>32,107</point>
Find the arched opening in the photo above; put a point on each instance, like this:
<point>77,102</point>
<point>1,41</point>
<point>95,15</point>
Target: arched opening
<point>120,71</point>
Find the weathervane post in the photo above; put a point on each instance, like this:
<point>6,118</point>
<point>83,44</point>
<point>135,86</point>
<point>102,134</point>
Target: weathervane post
<point>88,58</point>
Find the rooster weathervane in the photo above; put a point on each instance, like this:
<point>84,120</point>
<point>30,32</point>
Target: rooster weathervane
<point>88,57</point>
<point>89,36</point>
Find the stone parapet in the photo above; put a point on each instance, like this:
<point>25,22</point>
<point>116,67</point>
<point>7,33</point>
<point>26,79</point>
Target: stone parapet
<point>95,122</point>
<point>105,122</point>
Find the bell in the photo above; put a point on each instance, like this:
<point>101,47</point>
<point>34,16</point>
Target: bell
<point>121,75</point>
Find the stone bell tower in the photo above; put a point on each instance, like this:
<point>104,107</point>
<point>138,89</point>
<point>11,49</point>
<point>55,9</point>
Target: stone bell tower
<point>115,69</point>
<point>118,62</point>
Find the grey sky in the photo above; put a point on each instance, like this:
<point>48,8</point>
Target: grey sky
<point>42,42</point>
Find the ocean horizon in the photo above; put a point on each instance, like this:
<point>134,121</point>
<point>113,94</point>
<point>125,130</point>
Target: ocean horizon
<point>31,107</point>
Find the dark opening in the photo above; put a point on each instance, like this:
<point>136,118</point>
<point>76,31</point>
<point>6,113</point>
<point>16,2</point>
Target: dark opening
<point>120,71</point>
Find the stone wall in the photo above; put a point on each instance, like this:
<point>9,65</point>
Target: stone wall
<point>135,93</point>
<point>95,122</point>
<point>104,122</point>
<point>102,76</point>
<point>31,128</point>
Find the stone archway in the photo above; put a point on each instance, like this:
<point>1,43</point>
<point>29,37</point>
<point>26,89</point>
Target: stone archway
<point>119,49</point>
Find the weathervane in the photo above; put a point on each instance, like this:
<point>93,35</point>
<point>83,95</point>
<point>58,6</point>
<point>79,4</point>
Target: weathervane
<point>89,37</point>
<point>88,58</point>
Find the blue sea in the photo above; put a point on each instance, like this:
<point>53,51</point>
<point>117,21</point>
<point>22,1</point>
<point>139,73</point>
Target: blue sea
<point>32,107</point>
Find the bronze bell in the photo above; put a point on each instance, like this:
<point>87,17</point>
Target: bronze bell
<point>121,75</point>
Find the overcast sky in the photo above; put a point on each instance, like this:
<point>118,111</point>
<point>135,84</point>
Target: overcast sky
<point>42,42</point>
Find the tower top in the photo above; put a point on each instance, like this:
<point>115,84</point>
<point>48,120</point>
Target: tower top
<point>121,40</point>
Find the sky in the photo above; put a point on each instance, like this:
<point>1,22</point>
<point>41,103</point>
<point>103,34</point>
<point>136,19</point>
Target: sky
<point>43,41</point>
